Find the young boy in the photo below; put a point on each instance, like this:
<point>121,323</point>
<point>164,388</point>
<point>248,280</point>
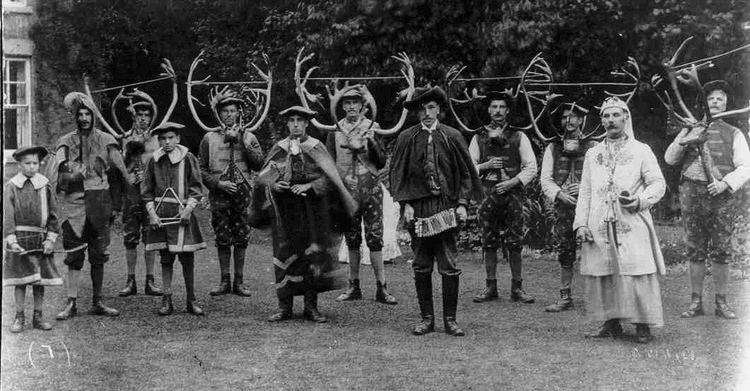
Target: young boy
<point>31,225</point>
<point>171,189</point>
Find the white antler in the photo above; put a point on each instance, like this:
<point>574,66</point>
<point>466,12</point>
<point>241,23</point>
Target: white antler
<point>191,99</point>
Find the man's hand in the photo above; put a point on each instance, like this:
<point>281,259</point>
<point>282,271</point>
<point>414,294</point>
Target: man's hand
<point>15,247</point>
<point>227,186</point>
<point>566,199</point>
<point>408,214</point>
<point>494,163</point>
<point>717,187</point>
<point>48,246</point>
<point>153,219</point>
<point>630,203</point>
<point>185,215</point>
<point>280,186</point>
<point>583,234</point>
<point>232,133</point>
<point>506,186</point>
<point>301,189</point>
<point>461,214</point>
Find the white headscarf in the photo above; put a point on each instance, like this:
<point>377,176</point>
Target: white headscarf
<point>614,101</point>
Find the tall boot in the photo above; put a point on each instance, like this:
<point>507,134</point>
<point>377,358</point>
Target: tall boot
<point>166,305</point>
<point>382,295</point>
<point>224,286</point>
<point>151,288</point>
<point>450,304</point>
<point>696,306</point>
<point>188,273</point>
<point>489,293</point>
<point>285,309</point>
<point>70,310</point>
<point>565,303</point>
<point>19,322</point>
<point>351,293</point>
<point>723,310</point>
<point>518,294</point>
<point>423,285</point>
<point>516,291</point>
<point>130,288</point>
<point>311,308</point>
<point>238,286</point>
<point>97,307</point>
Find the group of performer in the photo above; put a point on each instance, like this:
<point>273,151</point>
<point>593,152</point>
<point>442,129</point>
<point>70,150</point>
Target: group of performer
<point>312,192</point>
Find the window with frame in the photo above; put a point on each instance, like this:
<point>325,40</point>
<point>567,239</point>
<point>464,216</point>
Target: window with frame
<point>16,103</point>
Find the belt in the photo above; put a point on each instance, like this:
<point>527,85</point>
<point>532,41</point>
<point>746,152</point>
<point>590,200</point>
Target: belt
<point>29,228</point>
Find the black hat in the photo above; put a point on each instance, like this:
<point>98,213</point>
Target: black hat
<point>489,96</point>
<point>34,149</point>
<point>167,126</point>
<point>720,85</point>
<point>142,105</point>
<point>573,106</point>
<point>298,110</point>
<point>424,95</point>
<point>230,100</point>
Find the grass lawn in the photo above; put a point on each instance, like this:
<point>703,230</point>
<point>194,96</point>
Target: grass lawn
<point>366,345</point>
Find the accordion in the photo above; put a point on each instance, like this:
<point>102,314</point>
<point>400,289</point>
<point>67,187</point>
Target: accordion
<point>435,224</point>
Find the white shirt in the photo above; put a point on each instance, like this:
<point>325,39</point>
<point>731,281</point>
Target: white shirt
<point>528,160</point>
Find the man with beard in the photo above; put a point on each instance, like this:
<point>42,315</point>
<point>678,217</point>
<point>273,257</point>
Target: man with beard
<point>433,178</point>
<point>358,163</point>
<point>709,205</point>
<point>139,146</point>
<point>506,163</point>
<point>79,171</point>
<point>562,166</point>
<point>226,158</point>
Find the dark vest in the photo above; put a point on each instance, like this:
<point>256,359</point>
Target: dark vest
<point>720,146</point>
<point>563,163</point>
<point>508,152</point>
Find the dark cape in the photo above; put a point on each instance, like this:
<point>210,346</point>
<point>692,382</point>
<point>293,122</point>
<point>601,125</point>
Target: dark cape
<point>454,164</point>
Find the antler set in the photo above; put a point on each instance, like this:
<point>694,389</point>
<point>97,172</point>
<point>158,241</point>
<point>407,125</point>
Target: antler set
<point>335,94</point>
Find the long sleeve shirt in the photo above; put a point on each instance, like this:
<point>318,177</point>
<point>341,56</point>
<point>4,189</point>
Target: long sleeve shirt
<point>30,203</point>
<point>214,154</point>
<point>163,172</point>
<point>546,177</point>
<point>528,160</point>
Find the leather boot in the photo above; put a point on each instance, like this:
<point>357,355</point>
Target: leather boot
<point>382,295</point>
<point>610,329</point>
<point>223,288</point>
<point>351,293</point>
<point>238,286</point>
<point>151,288</point>
<point>518,294</point>
<point>696,306</point>
<point>311,308</point>
<point>489,293</point>
<point>38,323</point>
<point>192,308</point>
<point>722,308</point>
<point>70,310</point>
<point>285,310</point>
<point>423,284</point>
<point>450,304</point>
<point>130,288</point>
<point>98,308</point>
<point>643,333</point>
<point>565,303</point>
<point>19,323</point>
<point>166,305</point>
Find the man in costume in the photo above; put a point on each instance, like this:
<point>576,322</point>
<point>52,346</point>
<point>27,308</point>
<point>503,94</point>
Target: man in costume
<point>171,190</point>
<point>303,186</point>
<point>359,157</point>
<point>562,167</point>
<point>620,253</point>
<point>79,171</point>
<point>506,163</point>
<point>709,205</point>
<point>227,157</point>
<point>138,147</point>
<point>433,178</point>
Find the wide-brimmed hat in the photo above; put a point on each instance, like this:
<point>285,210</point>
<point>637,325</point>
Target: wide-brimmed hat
<point>34,149</point>
<point>167,126</point>
<point>298,110</point>
<point>426,94</point>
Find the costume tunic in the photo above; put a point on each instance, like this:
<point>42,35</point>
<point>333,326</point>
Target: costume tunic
<point>139,147</point>
<point>30,217</point>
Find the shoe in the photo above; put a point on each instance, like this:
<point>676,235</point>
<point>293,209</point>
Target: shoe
<point>130,288</point>
<point>610,329</point>
<point>239,288</point>
<point>696,307</point>
<point>518,294</point>
<point>70,310</point>
<point>489,293</point>
<point>426,325</point>
<point>423,285</point>
<point>351,293</point>
<point>722,308</point>
<point>311,308</point>
<point>451,327</point>
<point>98,308</point>
<point>643,333</point>
<point>565,303</point>
<point>151,288</point>
<point>166,305</point>
<point>285,310</point>
<point>194,309</point>
<point>382,295</point>
<point>223,288</point>
<point>38,323</point>
<point>19,323</point>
